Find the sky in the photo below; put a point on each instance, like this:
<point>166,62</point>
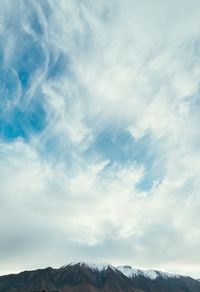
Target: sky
<point>99,134</point>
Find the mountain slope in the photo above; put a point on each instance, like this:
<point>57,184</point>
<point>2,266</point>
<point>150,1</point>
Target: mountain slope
<point>77,278</point>
<point>152,281</point>
<point>82,277</point>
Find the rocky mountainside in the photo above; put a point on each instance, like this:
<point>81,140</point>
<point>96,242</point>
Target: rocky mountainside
<point>82,277</point>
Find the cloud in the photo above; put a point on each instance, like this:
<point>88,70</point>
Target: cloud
<point>99,118</point>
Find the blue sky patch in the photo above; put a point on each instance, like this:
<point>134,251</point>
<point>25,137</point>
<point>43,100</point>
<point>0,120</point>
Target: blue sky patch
<point>29,57</point>
<point>122,148</point>
<point>22,122</point>
<point>58,65</point>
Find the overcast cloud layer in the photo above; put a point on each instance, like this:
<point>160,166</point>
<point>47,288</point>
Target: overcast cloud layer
<point>99,133</point>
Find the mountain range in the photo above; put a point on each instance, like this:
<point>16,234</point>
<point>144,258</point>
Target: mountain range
<point>84,277</point>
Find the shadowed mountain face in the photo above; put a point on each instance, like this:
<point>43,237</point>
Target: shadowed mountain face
<point>82,277</point>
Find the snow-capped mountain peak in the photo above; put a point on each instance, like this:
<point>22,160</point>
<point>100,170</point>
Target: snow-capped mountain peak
<point>152,274</point>
<point>98,266</point>
<point>93,266</point>
<point>91,277</point>
<point>127,270</point>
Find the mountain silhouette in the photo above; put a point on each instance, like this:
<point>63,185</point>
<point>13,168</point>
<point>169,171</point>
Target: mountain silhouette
<point>83,277</point>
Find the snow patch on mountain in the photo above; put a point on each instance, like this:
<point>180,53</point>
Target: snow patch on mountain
<point>152,274</point>
<point>128,271</point>
<point>97,267</point>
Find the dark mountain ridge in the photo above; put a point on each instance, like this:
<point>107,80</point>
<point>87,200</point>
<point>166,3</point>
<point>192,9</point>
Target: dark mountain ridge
<point>82,277</point>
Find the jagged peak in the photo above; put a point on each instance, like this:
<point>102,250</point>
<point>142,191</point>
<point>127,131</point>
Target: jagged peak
<point>127,270</point>
<point>92,266</point>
